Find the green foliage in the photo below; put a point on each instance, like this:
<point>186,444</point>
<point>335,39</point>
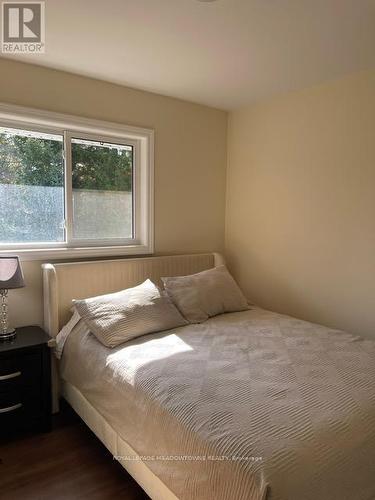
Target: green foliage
<point>101,168</point>
<point>39,162</point>
<point>30,161</point>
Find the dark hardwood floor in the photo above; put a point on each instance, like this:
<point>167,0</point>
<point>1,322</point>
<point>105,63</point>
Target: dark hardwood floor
<point>67,463</point>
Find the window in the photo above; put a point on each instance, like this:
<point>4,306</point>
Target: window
<point>102,180</point>
<point>71,186</point>
<point>31,187</point>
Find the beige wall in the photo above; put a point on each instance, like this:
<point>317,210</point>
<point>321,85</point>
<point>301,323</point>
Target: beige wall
<point>300,220</point>
<point>190,159</point>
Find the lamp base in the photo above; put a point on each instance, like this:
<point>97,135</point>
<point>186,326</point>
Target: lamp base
<point>7,336</point>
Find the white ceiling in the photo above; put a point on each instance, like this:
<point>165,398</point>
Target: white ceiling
<point>225,54</point>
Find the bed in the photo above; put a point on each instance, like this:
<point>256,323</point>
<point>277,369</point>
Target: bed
<point>248,405</point>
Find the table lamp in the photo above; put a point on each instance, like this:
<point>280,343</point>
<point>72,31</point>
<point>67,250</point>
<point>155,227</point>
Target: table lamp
<point>10,277</point>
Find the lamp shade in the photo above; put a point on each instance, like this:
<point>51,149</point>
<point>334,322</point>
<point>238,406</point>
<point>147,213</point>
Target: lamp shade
<point>11,275</point>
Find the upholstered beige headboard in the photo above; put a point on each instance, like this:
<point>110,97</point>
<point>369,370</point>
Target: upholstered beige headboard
<point>77,280</point>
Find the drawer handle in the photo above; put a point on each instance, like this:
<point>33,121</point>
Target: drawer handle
<point>11,375</point>
<point>10,408</point>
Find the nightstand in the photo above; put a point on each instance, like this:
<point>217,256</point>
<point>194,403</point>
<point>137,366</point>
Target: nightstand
<point>25,382</point>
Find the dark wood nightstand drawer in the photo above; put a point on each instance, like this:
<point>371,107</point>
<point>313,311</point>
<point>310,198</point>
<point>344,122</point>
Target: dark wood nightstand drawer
<point>25,382</point>
<point>20,414</point>
<point>29,400</point>
<point>25,370</point>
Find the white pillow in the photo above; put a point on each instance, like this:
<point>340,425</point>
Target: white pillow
<point>202,295</point>
<point>118,317</point>
<point>65,332</point>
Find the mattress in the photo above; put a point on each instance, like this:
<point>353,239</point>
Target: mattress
<point>250,405</point>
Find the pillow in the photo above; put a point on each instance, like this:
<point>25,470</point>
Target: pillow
<point>118,317</point>
<point>202,295</point>
<point>65,332</point>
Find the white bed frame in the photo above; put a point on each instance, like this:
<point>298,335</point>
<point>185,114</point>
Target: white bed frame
<point>77,280</point>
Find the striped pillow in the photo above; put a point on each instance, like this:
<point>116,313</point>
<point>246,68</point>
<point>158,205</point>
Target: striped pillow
<point>118,317</point>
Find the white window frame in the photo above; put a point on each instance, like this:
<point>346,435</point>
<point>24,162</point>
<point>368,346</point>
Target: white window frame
<point>69,126</point>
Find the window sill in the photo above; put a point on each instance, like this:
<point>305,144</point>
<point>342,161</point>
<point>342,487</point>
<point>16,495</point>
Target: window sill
<point>77,253</point>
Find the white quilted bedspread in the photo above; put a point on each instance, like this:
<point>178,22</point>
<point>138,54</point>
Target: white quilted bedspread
<point>251,405</point>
